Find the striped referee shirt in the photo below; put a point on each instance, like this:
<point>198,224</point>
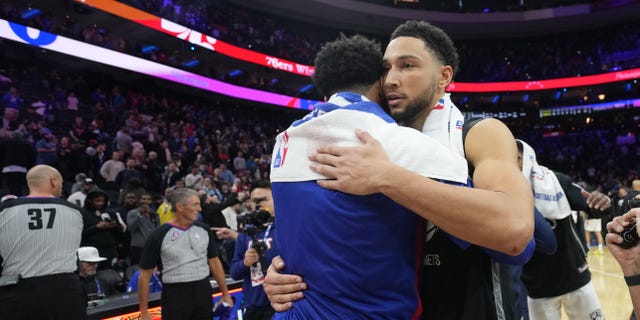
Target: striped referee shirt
<point>39,236</point>
<point>181,254</point>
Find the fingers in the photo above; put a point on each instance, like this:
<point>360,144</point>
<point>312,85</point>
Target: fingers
<point>279,284</point>
<point>585,193</point>
<point>221,233</point>
<point>364,136</point>
<point>367,138</point>
<point>277,264</point>
<point>283,302</point>
<point>324,158</point>
<point>325,170</point>
<point>617,225</point>
<point>228,300</point>
<point>282,289</point>
<point>329,184</point>
<point>613,238</point>
<point>633,213</point>
<point>331,150</point>
<point>281,307</point>
<point>597,200</point>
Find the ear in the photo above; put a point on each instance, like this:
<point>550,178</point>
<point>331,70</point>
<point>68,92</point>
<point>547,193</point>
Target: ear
<point>52,181</point>
<point>446,76</point>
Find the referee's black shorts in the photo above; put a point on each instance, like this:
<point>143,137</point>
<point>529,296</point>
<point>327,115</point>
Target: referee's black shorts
<point>58,296</point>
<point>187,300</point>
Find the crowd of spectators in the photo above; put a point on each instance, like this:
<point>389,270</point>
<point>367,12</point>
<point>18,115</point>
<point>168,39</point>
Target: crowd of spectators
<point>561,55</point>
<point>138,122</point>
<point>122,142</point>
<point>480,6</point>
<point>531,58</point>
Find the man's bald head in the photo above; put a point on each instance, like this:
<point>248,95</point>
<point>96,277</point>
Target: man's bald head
<point>44,180</point>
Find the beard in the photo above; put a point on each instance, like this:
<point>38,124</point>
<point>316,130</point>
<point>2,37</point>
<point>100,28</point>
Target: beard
<point>414,107</point>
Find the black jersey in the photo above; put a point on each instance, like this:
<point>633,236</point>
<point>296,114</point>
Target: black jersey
<point>567,270</point>
<point>464,284</point>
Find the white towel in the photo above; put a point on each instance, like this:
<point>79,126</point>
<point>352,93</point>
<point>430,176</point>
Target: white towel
<point>406,147</point>
<point>444,124</point>
<point>550,199</point>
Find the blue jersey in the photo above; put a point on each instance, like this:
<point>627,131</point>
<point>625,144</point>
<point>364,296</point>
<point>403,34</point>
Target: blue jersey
<point>359,255</point>
<point>155,285</point>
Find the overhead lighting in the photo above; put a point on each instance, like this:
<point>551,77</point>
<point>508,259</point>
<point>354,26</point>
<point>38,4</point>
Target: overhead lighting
<point>191,63</point>
<point>149,49</point>
<point>30,14</point>
<point>235,73</point>
<point>306,88</point>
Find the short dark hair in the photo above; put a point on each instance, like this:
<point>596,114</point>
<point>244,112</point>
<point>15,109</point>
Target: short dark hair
<point>433,37</point>
<point>347,63</point>
<point>260,184</point>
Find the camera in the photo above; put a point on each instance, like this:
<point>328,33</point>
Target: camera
<point>630,233</point>
<point>253,223</point>
<point>105,217</point>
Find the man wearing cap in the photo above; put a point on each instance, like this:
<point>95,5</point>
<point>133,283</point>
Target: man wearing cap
<point>39,237</point>
<point>46,148</point>
<point>78,197</point>
<point>88,259</point>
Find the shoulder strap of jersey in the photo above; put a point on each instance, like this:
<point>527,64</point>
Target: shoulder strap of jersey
<point>468,124</point>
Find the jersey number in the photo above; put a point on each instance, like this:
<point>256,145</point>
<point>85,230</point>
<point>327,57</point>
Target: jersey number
<point>36,222</point>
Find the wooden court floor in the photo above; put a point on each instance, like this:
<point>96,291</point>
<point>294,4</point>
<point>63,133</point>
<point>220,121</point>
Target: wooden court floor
<point>612,291</point>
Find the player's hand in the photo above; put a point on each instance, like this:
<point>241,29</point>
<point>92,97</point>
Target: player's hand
<point>251,257</point>
<point>356,170</point>
<point>597,200</point>
<point>282,289</point>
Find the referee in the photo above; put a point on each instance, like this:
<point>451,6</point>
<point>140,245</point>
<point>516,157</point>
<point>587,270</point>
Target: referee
<point>39,237</point>
<point>186,252</point>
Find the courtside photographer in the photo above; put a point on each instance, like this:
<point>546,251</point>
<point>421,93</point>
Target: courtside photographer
<point>254,250</point>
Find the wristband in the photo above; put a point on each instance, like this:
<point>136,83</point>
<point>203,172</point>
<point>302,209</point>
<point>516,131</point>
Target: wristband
<point>632,280</point>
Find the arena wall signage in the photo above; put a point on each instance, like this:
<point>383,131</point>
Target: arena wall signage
<point>50,41</point>
<point>197,38</point>
<point>211,43</point>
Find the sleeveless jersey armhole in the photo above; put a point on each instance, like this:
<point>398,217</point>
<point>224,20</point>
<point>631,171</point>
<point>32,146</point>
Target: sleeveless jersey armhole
<point>468,124</point>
